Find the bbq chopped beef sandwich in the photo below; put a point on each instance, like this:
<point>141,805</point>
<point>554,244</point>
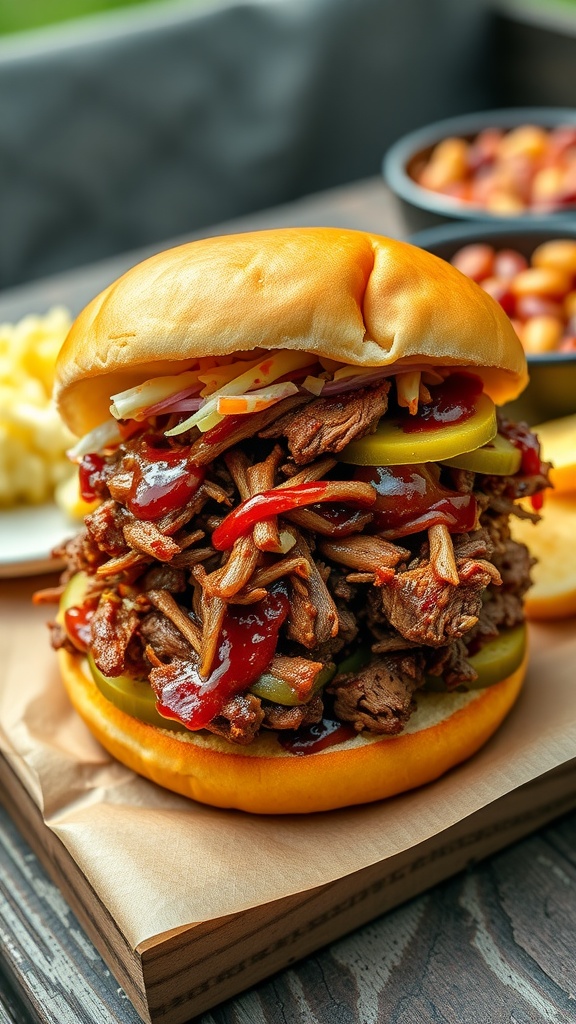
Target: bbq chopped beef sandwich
<point>297,589</point>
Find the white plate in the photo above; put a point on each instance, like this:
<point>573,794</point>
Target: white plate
<point>27,535</point>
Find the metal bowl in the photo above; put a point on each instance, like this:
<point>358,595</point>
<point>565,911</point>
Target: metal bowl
<point>421,207</point>
<point>552,389</point>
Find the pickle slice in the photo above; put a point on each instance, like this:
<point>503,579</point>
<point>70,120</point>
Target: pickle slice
<point>74,592</point>
<point>497,458</point>
<point>133,696</point>
<point>391,446</point>
<point>355,662</point>
<point>269,687</point>
<point>495,661</point>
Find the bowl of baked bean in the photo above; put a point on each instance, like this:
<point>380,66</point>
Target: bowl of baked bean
<point>486,166</point>
<point>528,266</point>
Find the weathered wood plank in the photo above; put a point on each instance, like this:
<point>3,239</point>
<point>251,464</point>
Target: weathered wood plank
<point>493,944</point>
<point>55,971</point>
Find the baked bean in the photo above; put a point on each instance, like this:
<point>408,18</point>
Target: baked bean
<point>537,305</point>
<point>541,281</point>
<point>542,334</point>
<point>448,164</point>
<point>570,304</point>
<point>559,254</point>
<point>526,140</point>
<point>508,263</point>
<point>505,172</point>
<point>476,261</point>
<point>499,289</point>
<point>539,299</point>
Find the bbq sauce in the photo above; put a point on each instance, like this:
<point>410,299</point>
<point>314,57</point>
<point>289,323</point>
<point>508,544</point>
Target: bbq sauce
<point>341,521</point>
<point>453,401</point>
<point>92,474</point>
<point>164,479</point>
<point>527,443</point>
<point>326,733</point>
<point>246,646</point>
<point>411,499</point>
<point>78,623</point>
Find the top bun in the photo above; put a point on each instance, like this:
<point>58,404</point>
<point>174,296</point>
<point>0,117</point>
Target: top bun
<point>348,295</point>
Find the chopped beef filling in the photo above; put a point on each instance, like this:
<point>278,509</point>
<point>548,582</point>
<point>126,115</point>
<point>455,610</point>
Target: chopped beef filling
<point>380,697</point>
<point>329,424</point>
<point>170,604</point>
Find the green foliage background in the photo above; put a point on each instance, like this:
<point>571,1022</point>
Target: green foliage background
<point>19,15</point>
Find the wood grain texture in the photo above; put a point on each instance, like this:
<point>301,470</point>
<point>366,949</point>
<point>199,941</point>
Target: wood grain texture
<point>494,944</point>
<point>55,973</point>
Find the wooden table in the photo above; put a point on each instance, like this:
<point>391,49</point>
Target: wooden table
<point>496,943</point>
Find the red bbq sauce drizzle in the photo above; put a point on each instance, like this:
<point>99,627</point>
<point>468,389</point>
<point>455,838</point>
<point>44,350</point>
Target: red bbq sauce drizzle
<point>411,499</point>
<point>92,474</point>
<point>164,479</point>
<point>326,733</point>
<point>78,623</point>
<point>246,646</point>
<point>527,443</point>
<point>223,429</point>
<point>285,499</point>
<point>340,520</point>
<point>453,401</point>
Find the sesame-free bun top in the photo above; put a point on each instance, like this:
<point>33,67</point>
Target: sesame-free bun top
<point>348,295</point>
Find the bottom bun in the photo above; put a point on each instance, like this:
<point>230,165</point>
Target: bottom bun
<point>264,779</point>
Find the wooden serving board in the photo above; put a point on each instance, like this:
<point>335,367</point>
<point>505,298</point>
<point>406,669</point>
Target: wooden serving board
<point>179,974</point>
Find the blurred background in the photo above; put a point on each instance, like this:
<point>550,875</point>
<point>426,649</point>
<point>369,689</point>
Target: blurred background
<point>127,122</point>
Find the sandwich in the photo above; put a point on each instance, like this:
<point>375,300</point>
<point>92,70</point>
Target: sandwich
<point>296,588</point>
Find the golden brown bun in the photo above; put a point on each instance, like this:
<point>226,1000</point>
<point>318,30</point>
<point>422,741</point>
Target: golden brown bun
<point>445,730</point>
<point>349,295</point>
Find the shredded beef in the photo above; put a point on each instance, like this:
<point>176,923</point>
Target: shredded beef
<point>240,719</point>
<point>114,623</point>
<point>278,716</point>
<point>430,611</point>
<point>147,538</point>
<point>451,662</point>
<point>514,564</point>
<point>104,526</point>
<point>379,697</point>
<point>516,486</point>
<point>498,529</point>
<point>59,638</point>
<point>80,554</point>
<point>413,621</point>
<point>473,545</point>
<point>329,424</point>
<point>164,637</point>
<point>503,610</point>
<point>165,577</point>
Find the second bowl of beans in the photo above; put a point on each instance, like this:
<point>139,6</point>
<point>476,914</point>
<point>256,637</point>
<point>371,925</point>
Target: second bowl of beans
<point>529,267</point>
<point>485,166</point>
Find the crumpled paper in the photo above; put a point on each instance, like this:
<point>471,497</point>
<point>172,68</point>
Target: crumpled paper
<point>158,861</point>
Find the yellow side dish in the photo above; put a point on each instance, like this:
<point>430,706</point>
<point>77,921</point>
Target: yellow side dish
<point>33,440</point>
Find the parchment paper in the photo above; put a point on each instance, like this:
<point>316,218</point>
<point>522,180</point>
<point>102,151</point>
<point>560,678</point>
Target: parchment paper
<point>159,861</point>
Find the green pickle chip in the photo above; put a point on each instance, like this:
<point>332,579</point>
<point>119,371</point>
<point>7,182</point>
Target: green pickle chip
<point>389,445</point>
<point>495,661</point>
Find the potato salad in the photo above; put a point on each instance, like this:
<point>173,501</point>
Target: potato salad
<point>33,440</point>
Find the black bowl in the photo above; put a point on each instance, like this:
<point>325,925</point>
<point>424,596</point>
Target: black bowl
<point>420,207</point>
<point>552,389</point>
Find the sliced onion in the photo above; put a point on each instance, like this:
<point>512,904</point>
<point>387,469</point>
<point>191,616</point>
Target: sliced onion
<point>187,400</point>
<point>102,436</point>
<point>352,383</point>
<point>362,380</point>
